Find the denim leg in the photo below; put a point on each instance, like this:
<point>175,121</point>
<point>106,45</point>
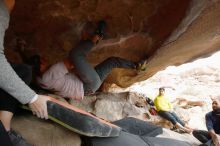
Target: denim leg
<point>168,116</point>
<point>84,70</point>
<point>178,119</point>
<point>202,135</point>
<point>7,102</point>
<point>91,77</point>
<point>104,68</point>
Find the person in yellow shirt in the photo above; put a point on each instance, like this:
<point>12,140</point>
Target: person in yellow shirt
<point>165,110</point>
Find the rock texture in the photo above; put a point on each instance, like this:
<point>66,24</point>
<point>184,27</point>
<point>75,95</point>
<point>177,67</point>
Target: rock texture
<point>112,107</point>
<point>44,133</point>
<point>135,30</point>
<point>201,38</point>
<point>164,32</point>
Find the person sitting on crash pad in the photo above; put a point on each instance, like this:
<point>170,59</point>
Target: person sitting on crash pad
<point>164,109</point>
<point>75,76</point>
<point>213,125</point>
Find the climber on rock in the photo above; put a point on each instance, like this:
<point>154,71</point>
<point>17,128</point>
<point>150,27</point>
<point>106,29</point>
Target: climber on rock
<point>75,76</point>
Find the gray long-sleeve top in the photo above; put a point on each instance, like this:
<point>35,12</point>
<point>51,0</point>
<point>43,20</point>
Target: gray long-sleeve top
<point>9,80</point>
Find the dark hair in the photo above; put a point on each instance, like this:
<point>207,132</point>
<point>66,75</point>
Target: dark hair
<point>161,88</point>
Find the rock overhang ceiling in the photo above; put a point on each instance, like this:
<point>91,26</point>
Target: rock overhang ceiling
<point>164,32</point>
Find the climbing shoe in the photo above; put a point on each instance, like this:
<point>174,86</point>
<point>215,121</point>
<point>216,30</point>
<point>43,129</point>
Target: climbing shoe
<point>141,66</point>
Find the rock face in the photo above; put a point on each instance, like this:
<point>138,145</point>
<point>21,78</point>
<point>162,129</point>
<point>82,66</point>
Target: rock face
<point>164,32</point>
<point>113,107</point>
<point>44,133</point>
<point>200,38</point>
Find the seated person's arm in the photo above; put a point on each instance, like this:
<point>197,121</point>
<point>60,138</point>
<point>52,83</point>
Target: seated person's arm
<point>215,137</point>
<point>209,125</point>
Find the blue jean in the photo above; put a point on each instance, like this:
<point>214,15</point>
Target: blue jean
<point>172,117</point>
<point>91,77</point>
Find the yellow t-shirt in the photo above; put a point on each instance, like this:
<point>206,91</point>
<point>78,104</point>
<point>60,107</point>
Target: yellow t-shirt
<point>162,103</point>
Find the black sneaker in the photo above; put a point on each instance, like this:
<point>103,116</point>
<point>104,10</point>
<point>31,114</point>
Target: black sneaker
<point>17,139</point>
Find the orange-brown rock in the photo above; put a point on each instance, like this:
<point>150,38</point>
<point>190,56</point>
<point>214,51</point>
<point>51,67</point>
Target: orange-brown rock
<point>164,32</point>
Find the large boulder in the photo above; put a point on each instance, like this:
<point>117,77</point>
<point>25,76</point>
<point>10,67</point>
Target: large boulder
<point>164,32</point>
<point>44,133</point>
